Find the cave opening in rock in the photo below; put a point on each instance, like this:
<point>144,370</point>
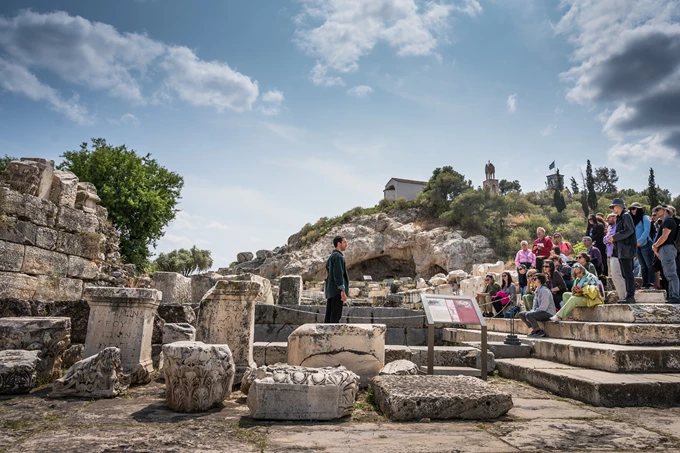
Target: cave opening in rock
<point>432,271</point>
<point>381,268</point>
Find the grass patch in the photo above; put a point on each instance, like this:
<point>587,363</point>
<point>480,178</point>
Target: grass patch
<point>251,435</point>
<point>17,425</point>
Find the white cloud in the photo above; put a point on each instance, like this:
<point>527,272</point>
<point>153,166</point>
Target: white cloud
<point>512,103</point>
<point>208,83</point>
<point>271,101</point>
<point>548,130</point>
<point>290,133</point>
<point>360,91</point>
<point>19,80</point>
<point>648,149</point>
<point>131,119</point>
<point>343,31</point>
<point>97,56</point>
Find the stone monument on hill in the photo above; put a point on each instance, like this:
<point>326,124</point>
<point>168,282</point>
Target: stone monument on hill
<point>491,183</point>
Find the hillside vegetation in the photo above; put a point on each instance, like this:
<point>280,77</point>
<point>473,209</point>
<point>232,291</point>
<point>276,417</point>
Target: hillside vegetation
<point>508,218</point>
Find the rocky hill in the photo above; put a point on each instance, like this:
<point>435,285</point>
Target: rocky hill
<point>382,245</point>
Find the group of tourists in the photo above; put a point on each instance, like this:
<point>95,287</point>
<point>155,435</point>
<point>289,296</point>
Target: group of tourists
<point>553,278</point>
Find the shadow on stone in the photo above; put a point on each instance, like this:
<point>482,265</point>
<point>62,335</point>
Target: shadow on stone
<point>159,412</point>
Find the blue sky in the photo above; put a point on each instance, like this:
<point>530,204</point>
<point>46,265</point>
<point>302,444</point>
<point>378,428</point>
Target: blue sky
<point>278,113</point>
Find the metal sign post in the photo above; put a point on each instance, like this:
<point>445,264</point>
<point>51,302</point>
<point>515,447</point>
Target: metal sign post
<point>443,309</point>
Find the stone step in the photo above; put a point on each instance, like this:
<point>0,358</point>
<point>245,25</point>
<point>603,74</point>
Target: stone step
<point>501,350</point>
<point>598,388</point>
<point>607,332</point>
<point>630,313</point>
<point>453,371</point>
<point>598,356</point>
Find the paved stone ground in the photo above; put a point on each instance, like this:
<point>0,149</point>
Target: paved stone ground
<point>140,422</point>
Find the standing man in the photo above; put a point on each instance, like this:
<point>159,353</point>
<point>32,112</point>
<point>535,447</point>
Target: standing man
<point>613,262</point>
<point>664,249</point>
<point>337,281</point>
<point>542,247</point>
<point>625,246</point>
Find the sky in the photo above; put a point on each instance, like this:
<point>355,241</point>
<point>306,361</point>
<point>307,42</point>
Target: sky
<point>279,113</point>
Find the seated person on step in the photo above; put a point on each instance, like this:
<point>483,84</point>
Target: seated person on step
<point>484,298</point>
<point>543,308</point>
<point>585,293</point>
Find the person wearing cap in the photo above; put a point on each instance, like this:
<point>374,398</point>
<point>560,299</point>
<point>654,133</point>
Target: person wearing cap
<point>664,249</point>
<point>625,246</point>
<point>645,255</point>
<point>585,293</point>
<point>614,268</point>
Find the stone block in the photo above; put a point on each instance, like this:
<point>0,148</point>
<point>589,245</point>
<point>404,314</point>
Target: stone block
<point>259,350</point>
<point>72,355</point>
<point>201,284</point>
<point>158,328</point>
<point>650,297</point>
<point>630,313</point>
<point>173,332</point>
<point>176,288</point>
<point>177,313</point>
<point>273,332</point>
<point>38,261</point>
<point>400,368</point>
<point>87,198</point>
<point>50,336</point>
<point>276,352</point>
<point>17,286</point>
<point>416,337</point>
<point>399,317</point>
<point>227,316</point>
<point>299,393</point>
<point>46,170</point>
<point>243,257</point>
<point>18,371</point>
<point>397,352</point>
<point>14,308</point>
<point>46,238</point>
<point>52,287</point>
<point>86,246</point>
<point>22,176</point>
<point>98,376</point>
<point>11,256</point>
<point>358,347</point>
<point>290,290</point>
<point>198,376</point>
<point>265,297</point>
<point>265,314</point>
<point>64,188</point>
<point>17,231</point>
<point>76,221</point>
<point>303,314</point>
<point>123,318</point>
<point>395,336</point>
<point>78,311</point>
<point>82,268</point>
<point>38,211</point>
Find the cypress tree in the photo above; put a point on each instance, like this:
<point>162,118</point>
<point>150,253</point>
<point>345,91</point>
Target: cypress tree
<point>652,193</point>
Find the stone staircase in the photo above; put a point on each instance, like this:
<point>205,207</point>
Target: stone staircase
<point>610,355</point>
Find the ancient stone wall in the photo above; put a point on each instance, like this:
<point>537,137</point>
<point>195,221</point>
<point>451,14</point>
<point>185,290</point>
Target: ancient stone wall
<point>54,238</point>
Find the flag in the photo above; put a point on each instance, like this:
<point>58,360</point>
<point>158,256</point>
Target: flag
<point>551,165</point>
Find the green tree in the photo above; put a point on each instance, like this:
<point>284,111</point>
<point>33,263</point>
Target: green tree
<point>444,186</point>
<point>4,161</point>
<point>574,186</point>
<point>139,194</point>
<point>605,180</point>
<point>505,186</point>
<point>652,194</point>
<point>590,184</point>
<point>186,262</point>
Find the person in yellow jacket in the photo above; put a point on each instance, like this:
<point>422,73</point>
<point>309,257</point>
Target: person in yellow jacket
<point>584,293</point>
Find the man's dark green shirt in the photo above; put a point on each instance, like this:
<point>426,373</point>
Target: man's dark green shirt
<point>337,279</point>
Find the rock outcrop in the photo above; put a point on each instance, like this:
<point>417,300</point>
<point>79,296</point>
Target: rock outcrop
<point>383,245</point>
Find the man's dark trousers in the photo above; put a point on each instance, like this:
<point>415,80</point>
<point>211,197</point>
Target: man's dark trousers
<point>333,310</point>
<point>628,275</point>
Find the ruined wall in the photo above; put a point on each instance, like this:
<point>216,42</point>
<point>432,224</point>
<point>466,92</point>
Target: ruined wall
<point>54,238</point>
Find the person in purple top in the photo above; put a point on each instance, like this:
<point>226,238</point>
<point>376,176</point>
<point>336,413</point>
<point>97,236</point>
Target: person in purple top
<point>594,253</point>
<point>614,266</point>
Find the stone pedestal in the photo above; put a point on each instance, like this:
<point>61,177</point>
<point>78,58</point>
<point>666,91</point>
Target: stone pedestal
<point>227,316</point>
<point>198,376</point>
<point>358,347</point>
<point>123,318</point>
<point>290,288</point>
<point>98,376</point>
<point>491,186</point>
<point>284,392</point>
<point>18,371</point>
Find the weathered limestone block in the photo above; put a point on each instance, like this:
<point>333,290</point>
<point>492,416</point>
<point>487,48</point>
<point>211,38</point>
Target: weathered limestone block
<point>76,221</point>
<point>403,398</point>
<point>178,332</point>
<point>87,245</point>
<point>52,287</point>
<point>18,371</point>
<point>22,176</point>
<point>358,347</point>
<point>81,268</point>
<point>72,355</point>
<point>227,316</point>
<point>17,286</point>
<point>243,257</point>
<point>176,288</point>
<point>50,336</point>
<point>123,318</point>
<point>177,313</point>
<point>78,311</point>
<point>480,270</point>
<point>27,207</point>
<point>64,188</point>
<point>650,297</point>
<point>44,262</point>
<point>354,292</point>
<point>436,281</point>
<point>400,368</point>
<point>17,231</point>
<point>198,376</point>
<point>46,238</point>
<point>13,308</point>
<point>263,254</point>
<point>421,283</point>
<point>98,376</point>
<point>158,326</point>
<point>201,284</point>
<point>290,290</point>
<point>11,256</point>
<point>46,170</point>
<point>457,276</point>
<point>265,297</point>
<point>283,392</point>
<point>86,197</point>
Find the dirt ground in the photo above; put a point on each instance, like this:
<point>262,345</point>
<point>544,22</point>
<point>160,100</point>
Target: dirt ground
<point>140,422</point>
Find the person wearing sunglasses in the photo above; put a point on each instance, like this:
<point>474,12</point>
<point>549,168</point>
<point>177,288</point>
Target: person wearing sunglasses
<point>543,307</point>
<point>645,256</point>
<point>484,298</point>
